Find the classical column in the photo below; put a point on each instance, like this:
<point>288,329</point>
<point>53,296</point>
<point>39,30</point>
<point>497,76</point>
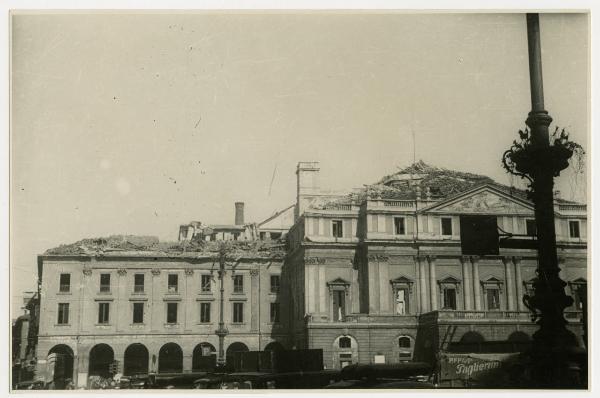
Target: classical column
<point>422,284</point>
<point>468,285</point>
<point>433,283</point>
<point>519,282</point>
<point>476,282</point>
<point>510,289</point>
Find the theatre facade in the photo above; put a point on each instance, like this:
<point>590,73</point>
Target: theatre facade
<point>423,247</point>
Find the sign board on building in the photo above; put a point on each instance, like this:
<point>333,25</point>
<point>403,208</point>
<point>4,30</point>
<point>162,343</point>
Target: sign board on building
<point>485,370</point>
<point>379,359</point>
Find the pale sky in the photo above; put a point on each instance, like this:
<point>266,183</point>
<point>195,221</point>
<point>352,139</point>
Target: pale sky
<point>134,124</point>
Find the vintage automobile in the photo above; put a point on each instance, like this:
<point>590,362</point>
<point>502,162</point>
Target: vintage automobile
<point>385,376</point>
<point>264,380</point>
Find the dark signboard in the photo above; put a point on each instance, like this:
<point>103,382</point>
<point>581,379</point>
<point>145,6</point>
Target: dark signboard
<point>479,235</point>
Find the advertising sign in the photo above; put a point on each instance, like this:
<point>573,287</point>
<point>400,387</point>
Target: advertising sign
<point>482,369</point>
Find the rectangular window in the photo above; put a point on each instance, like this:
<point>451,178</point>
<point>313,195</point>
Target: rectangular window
<point>206,281</point>
<point>449,299</point>
<point>103,312</point>
<point>493,299</point>
<point>238,312</point>
<point>171,312</point>
<point>65,283</point>
<point>336,226</point>
<point>574,229</point>
<point>274,312</point>
<point>339,305</point>
<point>63,314</point>
<point>238,283</point>
<point>138,312</point>
<point>400,225</point>
<point>105,283</point>
<point>204,312</point>
<point>138,283</point>
<point>401,301</point>
<point>446,226</point>
<point>172,283</point>
<point>275,279</point>
<point>579,294</point>
<point>530,227</point>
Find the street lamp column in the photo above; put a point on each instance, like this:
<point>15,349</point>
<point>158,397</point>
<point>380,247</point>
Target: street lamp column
<point>539,161</point>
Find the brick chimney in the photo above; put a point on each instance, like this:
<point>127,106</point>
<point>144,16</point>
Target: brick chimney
<point>239,213</point>
<point>308,186</point>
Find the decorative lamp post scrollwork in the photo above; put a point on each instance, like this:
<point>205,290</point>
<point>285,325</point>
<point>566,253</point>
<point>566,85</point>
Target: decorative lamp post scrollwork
<point>539,157</point>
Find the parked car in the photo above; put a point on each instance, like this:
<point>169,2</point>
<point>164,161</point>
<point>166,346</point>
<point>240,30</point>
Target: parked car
<point>31,385</point>
<point>264,380</point>
<point>384,376</point>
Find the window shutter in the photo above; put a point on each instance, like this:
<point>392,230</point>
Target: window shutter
<point>583,229</point>
<point>436,226</point>
<point>347,228</point>
<point>374,223</point>
<point>389,225</point>
<point>409,221</point>
<point>455,226</point>
<point>424,222</point>
<point>316,226</point>
<point>521,225</point>
<point>328,227</point>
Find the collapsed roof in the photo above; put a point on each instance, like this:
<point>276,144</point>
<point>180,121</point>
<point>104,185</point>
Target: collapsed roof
<point>423,180</point>
<point>119,245</point>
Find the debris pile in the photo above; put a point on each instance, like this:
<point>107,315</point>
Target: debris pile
<point>122,244</point>
<point>418,179</point>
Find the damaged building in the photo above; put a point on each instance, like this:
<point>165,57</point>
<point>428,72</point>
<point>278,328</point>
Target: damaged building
<point>133,305</point>
<point>426,259</point>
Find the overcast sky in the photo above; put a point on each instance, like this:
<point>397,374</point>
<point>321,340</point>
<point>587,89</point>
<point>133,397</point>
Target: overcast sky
<point>134,124</point>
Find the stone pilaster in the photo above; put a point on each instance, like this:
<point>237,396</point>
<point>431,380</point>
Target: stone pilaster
<point>476,282</point>
<point>510,288</point>
<point>519,284</point>
<point>467,283</point>
<point>433,283</point>
<point>422,285</point>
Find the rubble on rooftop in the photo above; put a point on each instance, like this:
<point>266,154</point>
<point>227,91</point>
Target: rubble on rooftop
<point>150,245</point>
<point>424,180</point>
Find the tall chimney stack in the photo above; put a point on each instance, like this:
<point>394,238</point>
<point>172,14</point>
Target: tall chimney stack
<point>239,213</point>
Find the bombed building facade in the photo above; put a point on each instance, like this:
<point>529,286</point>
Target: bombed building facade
<point>426,259</point>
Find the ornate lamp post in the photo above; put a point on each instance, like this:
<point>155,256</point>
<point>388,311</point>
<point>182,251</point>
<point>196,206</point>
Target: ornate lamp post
<point>535,158</point>
<point>222,330</point>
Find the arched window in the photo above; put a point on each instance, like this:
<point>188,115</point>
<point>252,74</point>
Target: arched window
<point>135,360</point>
<point>345,351</point>
<point>170,359</point>
<point>204,357</point>
<point>404,350</point>
<point>404,342</point>
<point>63,364</point>
<point>345,342</point>
<point>101,357</point>
<point>274,346</point>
